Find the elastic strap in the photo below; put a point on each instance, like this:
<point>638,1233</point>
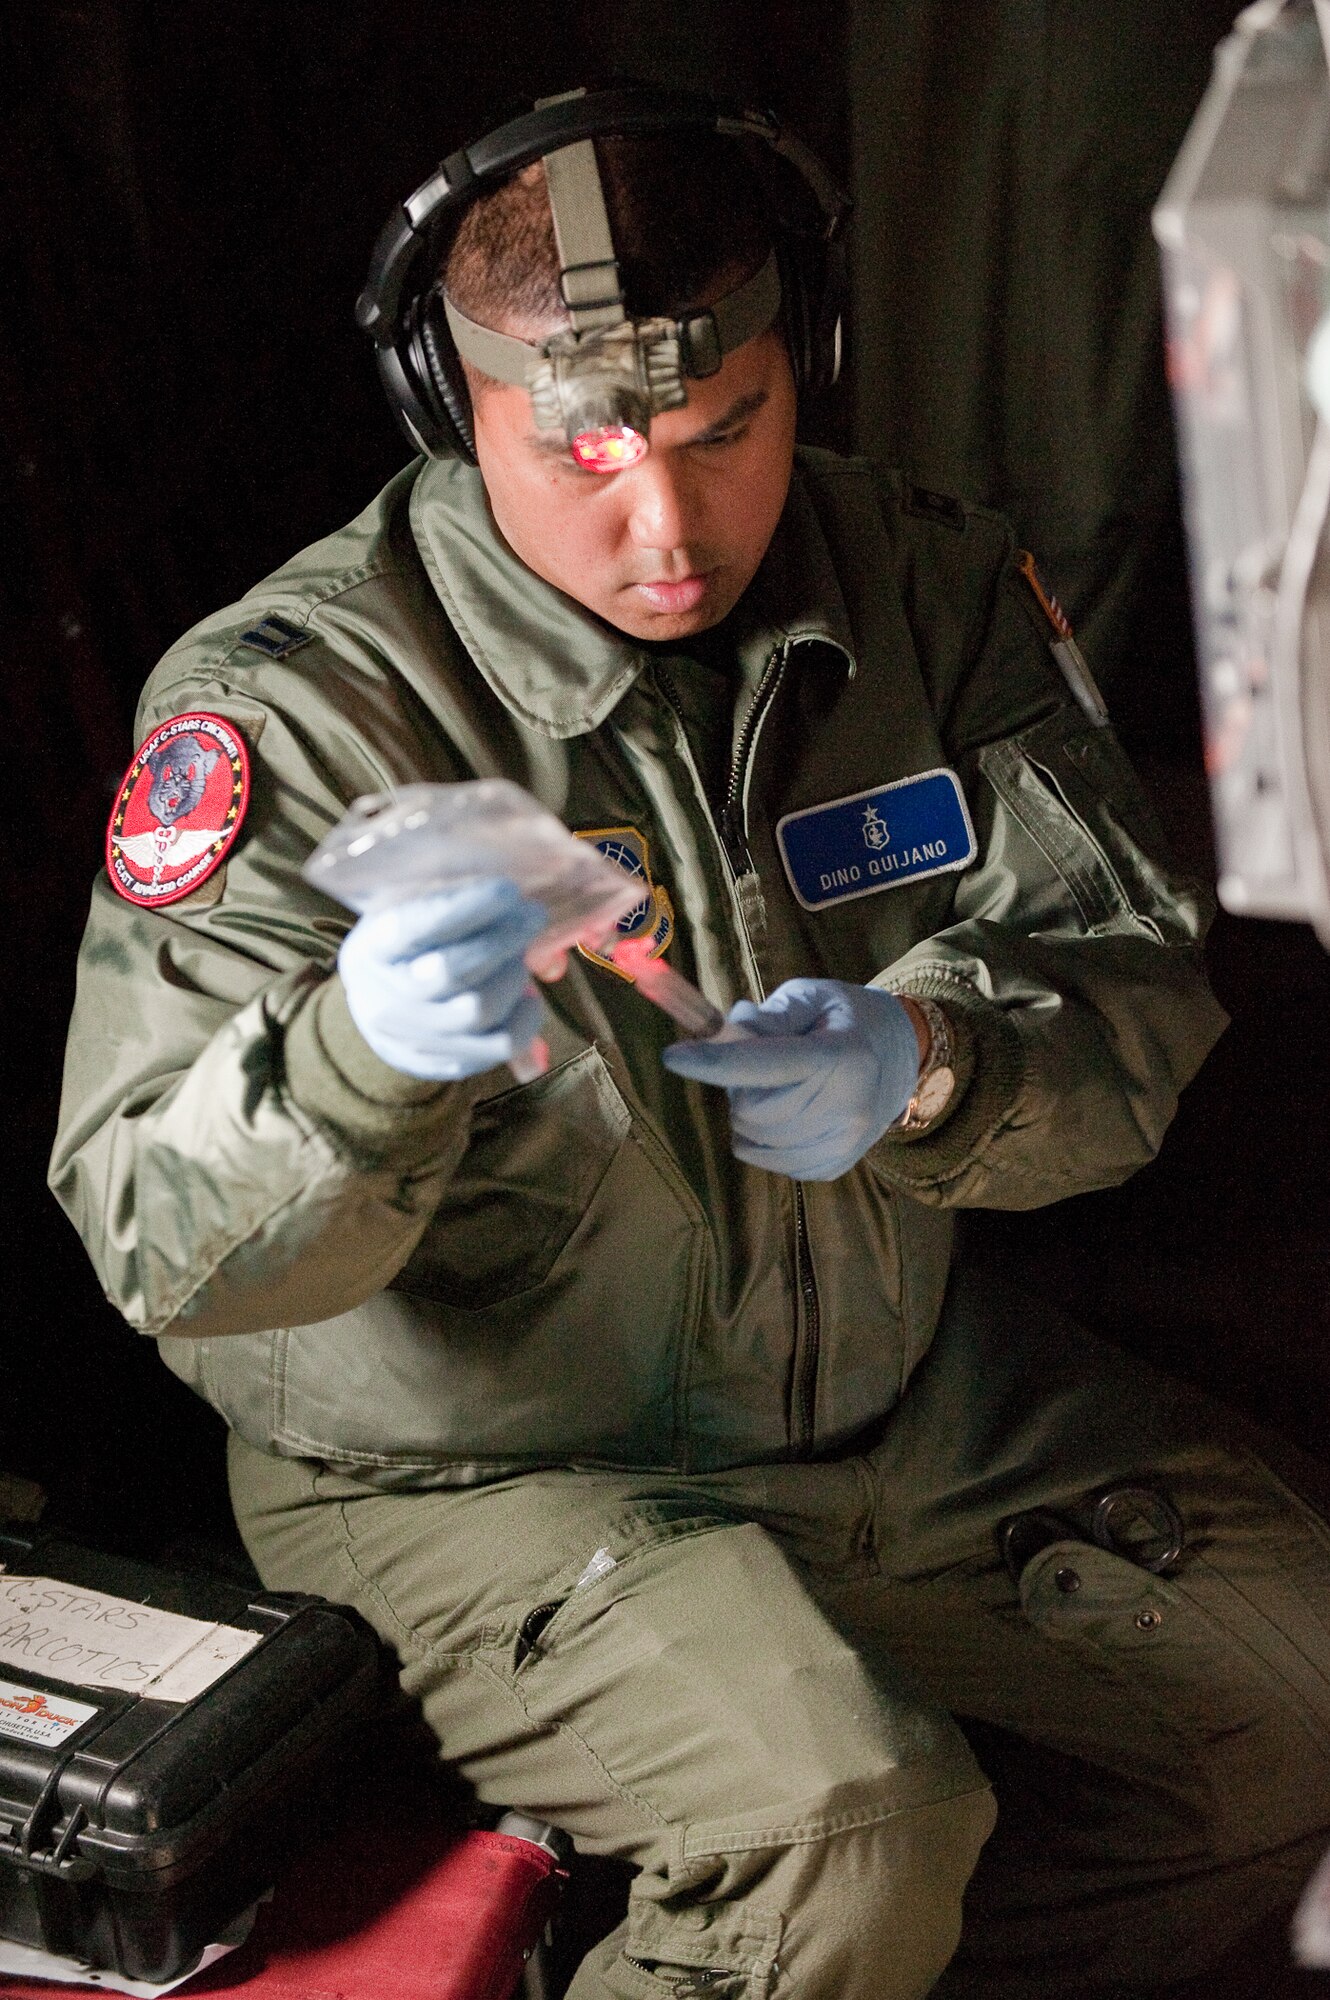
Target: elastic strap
<point>739,316</point>
<point>588,267</point>
<point>748,310</point>
<point>499,355</point>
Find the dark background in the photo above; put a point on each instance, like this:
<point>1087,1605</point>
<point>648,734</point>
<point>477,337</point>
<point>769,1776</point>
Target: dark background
<point>193,191</point>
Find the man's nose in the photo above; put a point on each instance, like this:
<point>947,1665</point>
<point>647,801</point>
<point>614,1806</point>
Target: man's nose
<point>661,514</point>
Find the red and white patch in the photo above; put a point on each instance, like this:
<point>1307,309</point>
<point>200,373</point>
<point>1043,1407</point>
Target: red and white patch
<point>179,809</point>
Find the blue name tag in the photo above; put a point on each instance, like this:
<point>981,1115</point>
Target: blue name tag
<point>878,839</point>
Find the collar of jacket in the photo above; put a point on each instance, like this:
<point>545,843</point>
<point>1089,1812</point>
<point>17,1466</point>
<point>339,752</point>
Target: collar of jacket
<point>547,658</point>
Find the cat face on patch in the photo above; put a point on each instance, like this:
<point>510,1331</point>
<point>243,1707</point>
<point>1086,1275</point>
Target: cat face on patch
<point>179,776</point>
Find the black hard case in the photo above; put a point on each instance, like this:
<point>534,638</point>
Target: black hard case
<point>141,1837</point>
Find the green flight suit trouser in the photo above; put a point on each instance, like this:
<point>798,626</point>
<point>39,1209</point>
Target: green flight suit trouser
<point>745,1682</point>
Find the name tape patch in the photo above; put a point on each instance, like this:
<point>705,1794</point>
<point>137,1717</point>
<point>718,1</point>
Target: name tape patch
<point>179,809</point>
<point>879,839</point>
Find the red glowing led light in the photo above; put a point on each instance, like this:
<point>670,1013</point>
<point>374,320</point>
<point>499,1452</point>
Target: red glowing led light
<point>609,449</point>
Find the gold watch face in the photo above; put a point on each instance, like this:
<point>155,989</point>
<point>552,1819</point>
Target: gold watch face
<point>933,1095</point>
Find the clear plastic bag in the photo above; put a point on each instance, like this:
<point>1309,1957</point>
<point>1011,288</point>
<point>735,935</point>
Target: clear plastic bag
<point>420,838</point>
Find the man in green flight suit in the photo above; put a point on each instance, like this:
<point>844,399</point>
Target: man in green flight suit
<point>712,1515</point>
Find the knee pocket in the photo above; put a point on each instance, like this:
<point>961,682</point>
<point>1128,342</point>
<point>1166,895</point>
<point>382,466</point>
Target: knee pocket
<point>1222,1693</point>
<point>871,1908</point>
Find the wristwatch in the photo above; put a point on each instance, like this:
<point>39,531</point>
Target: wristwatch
<point>937,1077</point>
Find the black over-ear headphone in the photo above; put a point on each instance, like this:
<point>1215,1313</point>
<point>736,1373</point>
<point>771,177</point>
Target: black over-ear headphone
<point>401,305</point>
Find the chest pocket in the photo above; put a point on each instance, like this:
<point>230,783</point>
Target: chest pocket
<point>537,1155</point>
<point>1069,785</point>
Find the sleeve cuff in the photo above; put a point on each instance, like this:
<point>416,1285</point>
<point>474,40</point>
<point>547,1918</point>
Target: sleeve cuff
<point>334,1076</point>
<point>989,1059</point>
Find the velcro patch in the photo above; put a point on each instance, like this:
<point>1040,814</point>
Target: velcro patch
<point>276,637</point>
<point>651,920</point>
<point>878,839</point>
<point>179,809</point>
<point>928,506</point>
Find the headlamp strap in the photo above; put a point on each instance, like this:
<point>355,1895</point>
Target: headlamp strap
<point>588,268</point>
<point>501,356</point>
<point>739,316</point>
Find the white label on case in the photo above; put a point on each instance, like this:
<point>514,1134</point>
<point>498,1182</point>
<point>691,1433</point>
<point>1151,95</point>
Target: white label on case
<point>92,1639</point>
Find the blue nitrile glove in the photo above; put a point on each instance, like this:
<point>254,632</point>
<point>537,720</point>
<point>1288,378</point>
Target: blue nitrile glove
<point>820,1071</point>
<point>437,984</point>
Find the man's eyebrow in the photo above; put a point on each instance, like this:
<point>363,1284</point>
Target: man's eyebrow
<point>745,406</point>
<point>553,444</point>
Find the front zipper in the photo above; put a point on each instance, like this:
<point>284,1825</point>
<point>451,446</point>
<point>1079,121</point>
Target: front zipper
<point>803,1388</point>
<point>734,833</point>
<point>731,831</point>
<point>732,836</point>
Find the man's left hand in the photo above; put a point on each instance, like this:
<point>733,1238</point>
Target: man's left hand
<point>818,1073</point>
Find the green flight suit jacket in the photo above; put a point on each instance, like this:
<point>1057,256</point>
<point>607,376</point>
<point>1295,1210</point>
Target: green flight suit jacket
<point>436,1284</point>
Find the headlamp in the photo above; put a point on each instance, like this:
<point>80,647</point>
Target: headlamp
<point>603,380</point>
<point>602,389</point>
<point>609,448</point>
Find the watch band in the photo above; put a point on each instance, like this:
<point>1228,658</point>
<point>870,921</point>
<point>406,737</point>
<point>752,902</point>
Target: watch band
<point>937,1078</point>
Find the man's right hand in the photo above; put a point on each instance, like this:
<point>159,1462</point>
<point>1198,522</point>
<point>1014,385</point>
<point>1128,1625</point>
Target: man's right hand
<point>438,985</point>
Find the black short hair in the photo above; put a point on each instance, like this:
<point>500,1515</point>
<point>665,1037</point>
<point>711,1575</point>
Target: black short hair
<point>688,214</point>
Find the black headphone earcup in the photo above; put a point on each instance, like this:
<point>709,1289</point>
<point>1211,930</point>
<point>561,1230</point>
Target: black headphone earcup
<point>794,320</point>
<point>812,303</point>
<point>442,370</point>
<point>828,316</point>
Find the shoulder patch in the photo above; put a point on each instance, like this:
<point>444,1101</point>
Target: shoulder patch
<point>276,637</point>
<point>943,507</point>
<point>179,809</point>
<point>651,920</point>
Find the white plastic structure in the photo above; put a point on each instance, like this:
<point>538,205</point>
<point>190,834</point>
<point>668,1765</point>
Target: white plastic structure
<point>1244,227</point>
<point>1311,1925</point>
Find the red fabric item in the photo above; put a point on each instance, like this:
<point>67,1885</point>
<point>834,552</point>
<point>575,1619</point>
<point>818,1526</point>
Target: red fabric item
<point>427,1916</point>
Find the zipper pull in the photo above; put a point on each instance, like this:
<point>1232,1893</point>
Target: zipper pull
<point>752,905</point>
<point>747,883</point>
<point>735,842</point>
